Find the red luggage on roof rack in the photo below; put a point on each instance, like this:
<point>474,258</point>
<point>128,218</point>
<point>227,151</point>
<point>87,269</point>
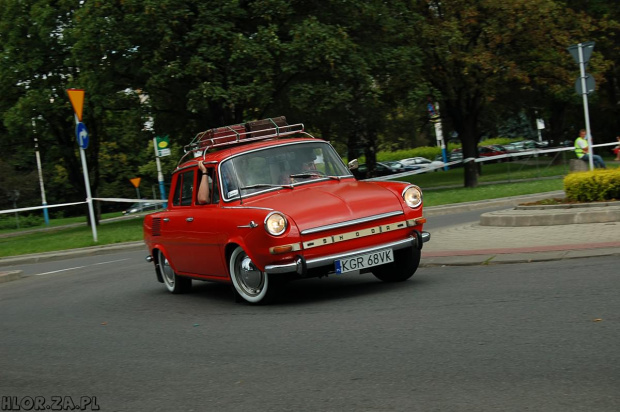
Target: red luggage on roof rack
<point>240,133</point>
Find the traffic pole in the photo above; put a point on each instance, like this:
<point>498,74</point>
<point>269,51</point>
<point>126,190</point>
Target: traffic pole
<point>160,175</point>
<point>89,198</point>
<point>586,114</point>
<point>76,96</point>
<point>46,217</point>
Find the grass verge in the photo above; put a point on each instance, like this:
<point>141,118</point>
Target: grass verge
<point>71,238</point>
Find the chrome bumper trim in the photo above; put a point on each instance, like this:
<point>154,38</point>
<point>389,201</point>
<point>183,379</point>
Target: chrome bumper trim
<point>351,222</point>
<point>426,237</point>
<point>329,260</point>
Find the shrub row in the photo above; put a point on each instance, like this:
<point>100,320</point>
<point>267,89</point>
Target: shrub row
<point>593,186</point>
<point>9,221</point>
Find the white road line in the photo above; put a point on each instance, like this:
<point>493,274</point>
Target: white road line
<point>79,267</point>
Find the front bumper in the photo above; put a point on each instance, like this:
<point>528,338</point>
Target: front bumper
<point>301,265</point>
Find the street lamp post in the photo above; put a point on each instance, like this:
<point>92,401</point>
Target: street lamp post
<point>41,185</point>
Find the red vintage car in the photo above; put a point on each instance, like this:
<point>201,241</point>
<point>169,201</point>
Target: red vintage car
<point>279,205</point>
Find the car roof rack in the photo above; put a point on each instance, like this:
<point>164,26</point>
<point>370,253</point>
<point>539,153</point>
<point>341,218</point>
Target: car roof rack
<point>220,137</point>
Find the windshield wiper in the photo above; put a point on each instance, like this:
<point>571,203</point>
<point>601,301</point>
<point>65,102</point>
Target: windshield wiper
<point>263,185</point>
<point>313,174</point>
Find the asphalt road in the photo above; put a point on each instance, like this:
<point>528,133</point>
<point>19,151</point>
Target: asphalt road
<point>535,336</point>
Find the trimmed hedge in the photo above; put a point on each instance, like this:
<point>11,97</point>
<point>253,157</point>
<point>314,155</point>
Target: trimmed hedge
<point>592,186</point>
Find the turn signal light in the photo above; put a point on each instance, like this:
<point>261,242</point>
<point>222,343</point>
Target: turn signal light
<point>281,249</point>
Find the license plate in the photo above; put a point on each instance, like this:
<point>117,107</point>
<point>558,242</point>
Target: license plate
<point>368,260</point>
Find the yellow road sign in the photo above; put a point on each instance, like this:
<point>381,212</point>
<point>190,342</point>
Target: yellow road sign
<point>77,101</point>
<point>135,182</point>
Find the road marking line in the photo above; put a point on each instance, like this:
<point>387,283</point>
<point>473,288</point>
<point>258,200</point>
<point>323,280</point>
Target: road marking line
<point>79,267</point>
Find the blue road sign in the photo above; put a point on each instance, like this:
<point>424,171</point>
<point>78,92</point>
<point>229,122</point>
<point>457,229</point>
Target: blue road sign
<point>82,135</point>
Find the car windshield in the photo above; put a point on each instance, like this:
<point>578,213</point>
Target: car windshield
<point>281,166</point>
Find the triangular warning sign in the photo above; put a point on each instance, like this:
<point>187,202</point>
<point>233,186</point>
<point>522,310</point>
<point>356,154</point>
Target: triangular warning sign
<point>135,182</point>
<point>77,101</point>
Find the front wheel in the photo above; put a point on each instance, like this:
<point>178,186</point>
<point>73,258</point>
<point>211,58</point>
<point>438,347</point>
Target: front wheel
<point>174,283</point>
<point>251,284</point>
<point>406,262</point>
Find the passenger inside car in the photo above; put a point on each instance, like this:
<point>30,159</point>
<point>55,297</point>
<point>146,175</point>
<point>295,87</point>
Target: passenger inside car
<point>203,188</point>
<point>207,190</point>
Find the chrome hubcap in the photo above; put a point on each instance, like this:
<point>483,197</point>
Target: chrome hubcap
<point>250,278</point>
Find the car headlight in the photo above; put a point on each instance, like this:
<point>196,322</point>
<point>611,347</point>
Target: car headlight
<point>412,196</point>
<point>275,223</point>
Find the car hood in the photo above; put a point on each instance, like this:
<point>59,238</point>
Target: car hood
<point>334,202</point>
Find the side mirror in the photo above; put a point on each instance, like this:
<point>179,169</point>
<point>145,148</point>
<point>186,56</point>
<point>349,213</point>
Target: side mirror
<point>353,164</point>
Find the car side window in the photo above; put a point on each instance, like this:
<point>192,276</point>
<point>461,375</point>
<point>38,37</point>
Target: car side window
<point>184,189</point>
<point>188,188</point>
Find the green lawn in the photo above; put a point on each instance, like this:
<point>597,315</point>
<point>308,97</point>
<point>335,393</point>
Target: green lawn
<point>438,197</point>
<point>70,238</point>
<point>491,173</point>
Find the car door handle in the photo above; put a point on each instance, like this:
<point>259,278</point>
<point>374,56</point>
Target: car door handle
<point>189,219</point>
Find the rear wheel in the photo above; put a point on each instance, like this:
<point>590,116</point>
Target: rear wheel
<point>251,284</point>
<point>174,283</point>
<point>406,262</point>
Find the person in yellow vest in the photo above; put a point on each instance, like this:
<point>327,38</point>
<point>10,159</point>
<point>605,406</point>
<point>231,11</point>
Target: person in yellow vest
<point>582,150</point>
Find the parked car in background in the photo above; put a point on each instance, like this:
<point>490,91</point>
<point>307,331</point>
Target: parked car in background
<point>455,159</point>
<point>381,169</point>
<point>140,207</point>
<point>259,204</point>
<point>494,150</point>
<point>417,163</point>
<point>395,166</point>
<point>521,145</point>
<point>541,144</point>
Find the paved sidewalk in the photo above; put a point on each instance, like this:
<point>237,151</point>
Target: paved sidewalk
<point>473,244</point>
<point>524,235</point>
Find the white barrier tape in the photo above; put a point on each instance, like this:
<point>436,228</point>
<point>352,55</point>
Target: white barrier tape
<point>23,209</point>
<point>103,199</point>
<point>118,199</point>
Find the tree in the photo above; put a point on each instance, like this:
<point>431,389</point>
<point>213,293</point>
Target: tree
<point>484,54</point>
<point>32,75</point>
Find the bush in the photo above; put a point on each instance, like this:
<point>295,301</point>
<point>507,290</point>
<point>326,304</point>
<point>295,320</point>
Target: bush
<point>429,152</point>
<point>593,186</point>
<point>8,221</point>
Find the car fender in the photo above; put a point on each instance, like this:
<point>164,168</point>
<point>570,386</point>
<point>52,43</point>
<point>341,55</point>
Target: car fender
<point>257,244</point>
<point>153,249</point>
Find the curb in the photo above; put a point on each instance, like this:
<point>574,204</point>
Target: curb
<point>60,254</point>
<point>558,216</point>
<point>9,276</point>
